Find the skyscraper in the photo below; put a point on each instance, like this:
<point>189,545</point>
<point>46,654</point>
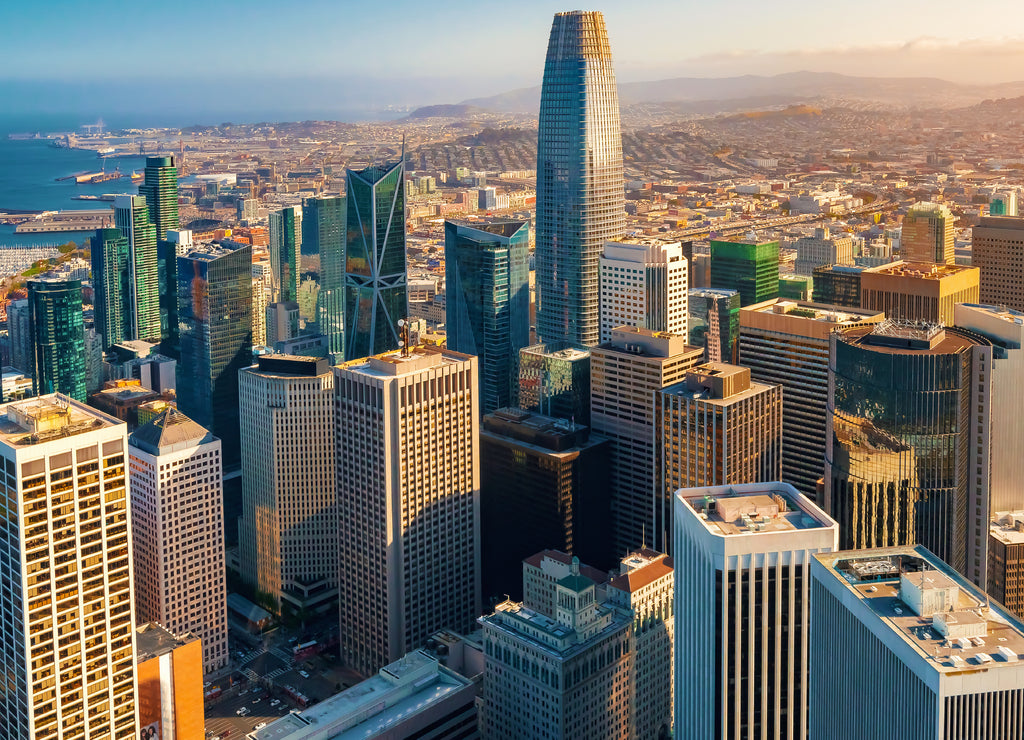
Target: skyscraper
<point>917,291</point>
<point>58,337</point>
<point>580,195</point>
<point>554,379</point>
<point>907,457</point>
<point>643,283</point>
<point>67,589</point>
<point>19,332</point>
<point>713,322</point>
<point>323,233</point>
<point>375,297</point>
<point>487,274</point>
<point>408,472</point>
<point>927,234</point>
<point>742,555</point>
<point>214,306</point>
<point>898,628</point>
<point>786,343</point>
<point>751,267</point>
<point>177,505</point>
<point>160,188</point>
<point>285,243</point>
<point>997,248</point>
<point>624,375</point>
<point>111,278</point>
<point>288,533</point>
<point>131,214</point>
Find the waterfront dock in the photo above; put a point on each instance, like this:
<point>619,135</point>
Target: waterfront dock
<point>51,221</point>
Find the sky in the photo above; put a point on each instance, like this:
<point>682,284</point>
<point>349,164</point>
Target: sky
<point>409,52</point>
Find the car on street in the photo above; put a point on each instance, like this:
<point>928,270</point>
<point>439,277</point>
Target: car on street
<point>256,700</point>
<point>275,702</point>
<point>303,674</point>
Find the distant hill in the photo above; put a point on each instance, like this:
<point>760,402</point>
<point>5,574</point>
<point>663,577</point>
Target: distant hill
<point>459,110</point>
<point>711,94</point>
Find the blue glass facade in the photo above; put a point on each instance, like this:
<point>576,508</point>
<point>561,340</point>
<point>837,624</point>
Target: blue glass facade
<point>111,279</point>
<point>375,297</point>
<point>487,274</point>
<point>554,379</point>
<point>215,320</point>
<point>323,234</point>
<point>580,197</point>
<point>285,242</point>
<point>58,337</point>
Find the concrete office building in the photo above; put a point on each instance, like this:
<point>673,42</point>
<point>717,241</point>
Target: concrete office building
<point>408,472</point>
<point>262,287</point>
<point>918,291</point>
<point>907,457</point>
<point>288,533</point>
<point>544,483</point>
<point>170,670</point>
<point>715,428</point>
<point>282,323</point>
<point>625,373</point>
<point>743,555</point>
<point>785,343</point>
<point>543,570</point>
<point>997,249</point>
<point>177,501</point>
<point>562,675</point>
<point>68,574</point>
<point>898,628</point>
<point>644,283</point>
<point>822,249</point>
<point>1006,560</point>
<point>927,234</point>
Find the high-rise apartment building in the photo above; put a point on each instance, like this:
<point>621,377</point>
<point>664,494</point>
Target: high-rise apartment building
<point>554,379</point>
<point>742,555</point>
<point>288,534</point>
<point>565,674</point>
<point>645,284</point>
<point>160,188</point>
<point>58,337</point>
<point>928,235</point>
<point>907,457</point>
<point>262,287</point>
<point>625,373</point>
<point>214,310</point>
<point>715,428</point>
<point>408,472</point>
<point>375,297</point>
<point>713,322</point>
<point>580,194</point>
<point>752,268</point>
<point>822,249</point>
<point>285,244</point>
<point>131,214</point>
<point>899,628</point>
<point>786,343</point>
<point>997,249</point>
<point>67,649</point>
<point>543,483</point>
<point>111,279</point>
<point>917,291</point>
<point>1005,576</point>
<point>323,234</point>
<point>19,333</point>
<point>487,284</point>
<point>177,505</point>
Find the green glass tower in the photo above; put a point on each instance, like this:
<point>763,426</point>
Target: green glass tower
<point>752,268</point>
<point>160,188</point>
<point>285,241</point>
<point>375,297</point>
<point>111,279</point>
<point>131,214</point>
<point>323,233</point>
<point>58,337</point>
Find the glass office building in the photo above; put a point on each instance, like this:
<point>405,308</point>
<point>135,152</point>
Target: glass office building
<point>580,197</point>
<point>58,337</point>
<point>160,188</point>
<point>487,273</point>
<point>214,308</point>
<point>323,234</point>
<point>752,268</point>
<point>713,322</point>
<point>285,242</point>
<point>375,297</point>
<point>131,215</point>
<point>554,379</point>
<point>111,280</point>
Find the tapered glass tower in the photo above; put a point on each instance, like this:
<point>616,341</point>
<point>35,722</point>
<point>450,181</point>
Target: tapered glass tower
<point>131,214</point>
<point>375,296</point>
<point>579,177</point>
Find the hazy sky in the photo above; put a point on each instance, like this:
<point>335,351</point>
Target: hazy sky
<point>446,51</point>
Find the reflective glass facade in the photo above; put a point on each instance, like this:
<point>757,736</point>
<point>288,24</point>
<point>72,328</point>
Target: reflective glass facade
<point>375,297</point>
<point>111,279</point>
<point>323,234</point>
<point>285,241</point>
<point>214,309</point>
<point>752,269</point>
<point>713,322</point>
<point>580,198</point>
<point>554,379</point>
<point>131,214</point>
<point>55,314</point>
<point>487,272</point>
<point>160,187</point>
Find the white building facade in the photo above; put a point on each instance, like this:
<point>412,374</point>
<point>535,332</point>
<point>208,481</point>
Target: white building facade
<point>643,284</point>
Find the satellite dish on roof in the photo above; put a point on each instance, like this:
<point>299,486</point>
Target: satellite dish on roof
<point>401,322</point>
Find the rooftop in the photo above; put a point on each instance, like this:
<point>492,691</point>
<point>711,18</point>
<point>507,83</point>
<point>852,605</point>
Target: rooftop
<point>946,620</point>
<point>832,315</point>
<point>643,342</point>
<point>754,508</point>
<point>152,641</point>
<point>909,337</point>
<point>535,560</point>
<point>46,418</point>
<point>640,569</point>
<point>396,363</point>
<point>1008,528</point>
<point>717,383</point>
<point>169,431</point>
<point>922,270</point>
